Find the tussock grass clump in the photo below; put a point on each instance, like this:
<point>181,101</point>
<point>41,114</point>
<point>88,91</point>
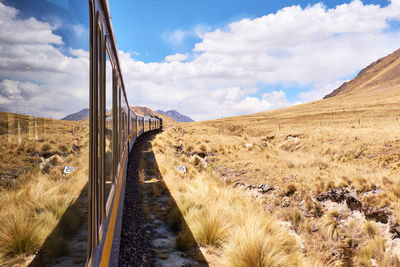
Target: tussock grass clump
<point>195,160</point>
<point>293,215</point>
<point>63,149</point>
<point>210,228</point>
<point>373,250</point>
<point>290,189</point>
<point>46,147</point>
<point>371,229</point>
<point>189,148</point>
<point>330,222</point>
<point>184,240</point>
<point>175,218</point>
<point>254,245</point>
<point>203,148</point>
<point>19,234</point>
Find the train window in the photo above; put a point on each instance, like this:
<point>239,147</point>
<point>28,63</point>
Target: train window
<point>44,128</point>
<point>120,133</point>
<point>121,124</point>
<point>100,128</point>
<point>126,110</point>
<point>108,130</point>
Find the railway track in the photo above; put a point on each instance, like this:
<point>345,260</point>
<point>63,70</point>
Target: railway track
<point>146,237</point>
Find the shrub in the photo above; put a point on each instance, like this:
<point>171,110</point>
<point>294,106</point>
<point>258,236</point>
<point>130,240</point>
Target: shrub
<point>374,248</point>
<point>184,240</point>
<point>19,234</point>
<point>253,246</point>
<point>175,218</point>
<point>290,189</point>
<point>330,223</point>
<point>63,149</point>
<point>203,147</point>
<point>294,216</point>
<point>371,229</point>
<point>210,228</point>
<point>46,147</point>
<point>189,149</point>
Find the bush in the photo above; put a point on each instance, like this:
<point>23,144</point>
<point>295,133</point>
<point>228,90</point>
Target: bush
<point>63,148</point>
<point>46,147</point>
<point>210,227</point>
<point>19,234</point>
<point>184,240</point>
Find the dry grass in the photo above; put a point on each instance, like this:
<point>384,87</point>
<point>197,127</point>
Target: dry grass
<point>300,152</point>
<point>34,197</point>
<point>216,214</point>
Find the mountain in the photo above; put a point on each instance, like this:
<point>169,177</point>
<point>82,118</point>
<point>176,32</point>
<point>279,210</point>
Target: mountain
<point>379,77</point>
<point>373,93</point>
<point>78,116</point>
<point>147,111</point>
<point>175,115</point>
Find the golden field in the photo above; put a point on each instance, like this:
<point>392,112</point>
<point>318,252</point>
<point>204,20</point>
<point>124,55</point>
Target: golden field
<point>34,193</point>
<point>316,184</point>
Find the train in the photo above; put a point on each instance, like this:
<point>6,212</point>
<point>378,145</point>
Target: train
<point>66,57</point>
<point>107,177</point>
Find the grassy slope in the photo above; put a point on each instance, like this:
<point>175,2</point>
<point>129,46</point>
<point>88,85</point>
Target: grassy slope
<point>348,141</point>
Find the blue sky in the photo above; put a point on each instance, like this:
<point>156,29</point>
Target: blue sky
<point>212,59</point>
<point>206,59</point>
<point>141,25</point>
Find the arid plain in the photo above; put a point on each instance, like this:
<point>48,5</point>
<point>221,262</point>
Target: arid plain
<point>316,184</point>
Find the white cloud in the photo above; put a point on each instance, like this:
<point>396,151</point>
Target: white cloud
<point>176,58</point>
<point>35,77</point>
<point>320,91</point>
<point>175,38</point>
<point>30,31</point>
<point>313,47</point>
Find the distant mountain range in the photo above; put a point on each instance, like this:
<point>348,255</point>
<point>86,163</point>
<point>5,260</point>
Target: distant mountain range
<point>78,116</point>
<point>175,115</point>
<point>169,117</point>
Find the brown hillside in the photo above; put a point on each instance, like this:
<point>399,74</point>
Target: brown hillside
<point>379,77</point>
<point>147,111</point>
<point>275,178</point>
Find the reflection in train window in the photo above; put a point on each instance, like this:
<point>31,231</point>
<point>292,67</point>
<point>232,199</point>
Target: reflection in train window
<point>44,131</point>
<point>100,125</point>
<point>108,130</point>
<point>119,126</point>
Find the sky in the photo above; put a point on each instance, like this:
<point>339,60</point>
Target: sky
<point>212,59</point>
<point>205,59</point>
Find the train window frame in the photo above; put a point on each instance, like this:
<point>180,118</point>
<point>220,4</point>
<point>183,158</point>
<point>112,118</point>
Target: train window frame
<point>120,141</point>
<point>91,238</point>
<point>118,126</point>
<point>100,53</point>
<point>108,199</point>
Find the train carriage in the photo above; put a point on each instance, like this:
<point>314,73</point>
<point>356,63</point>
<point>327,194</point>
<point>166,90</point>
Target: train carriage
<point>74,40</point>
<point>106,194</point>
